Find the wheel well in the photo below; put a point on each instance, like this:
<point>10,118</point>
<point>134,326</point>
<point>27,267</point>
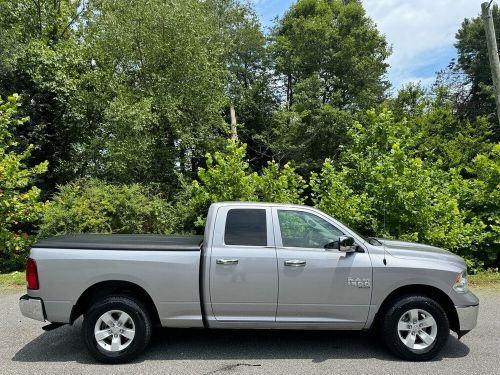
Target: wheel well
<point>422,290</point>
<point>113,287</point>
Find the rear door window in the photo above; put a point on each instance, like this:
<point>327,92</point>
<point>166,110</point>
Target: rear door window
<point>246,227</point>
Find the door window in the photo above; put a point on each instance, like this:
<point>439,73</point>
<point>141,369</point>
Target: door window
<point>303,229</point>
<point>246,227</point>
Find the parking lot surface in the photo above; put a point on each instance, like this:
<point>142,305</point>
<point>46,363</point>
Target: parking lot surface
<point>26,349</point>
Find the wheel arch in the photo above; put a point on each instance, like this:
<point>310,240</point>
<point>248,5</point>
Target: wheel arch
<point>421,290</point>
<point>113,287</point>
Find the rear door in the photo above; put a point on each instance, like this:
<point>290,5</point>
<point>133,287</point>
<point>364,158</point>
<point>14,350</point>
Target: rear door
<point>317,283</point>
<point>243,265</point>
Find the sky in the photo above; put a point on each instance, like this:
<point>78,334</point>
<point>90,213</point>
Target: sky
<point>421,32</point>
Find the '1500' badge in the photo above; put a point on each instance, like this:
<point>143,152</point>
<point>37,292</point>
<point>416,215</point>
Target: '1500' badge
<point>359,282</point>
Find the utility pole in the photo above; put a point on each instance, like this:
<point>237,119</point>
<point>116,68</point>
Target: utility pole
<point>491,41</point>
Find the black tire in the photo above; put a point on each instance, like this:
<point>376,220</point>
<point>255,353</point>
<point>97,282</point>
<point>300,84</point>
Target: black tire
<point>391,335</point>
<point>141,324</point>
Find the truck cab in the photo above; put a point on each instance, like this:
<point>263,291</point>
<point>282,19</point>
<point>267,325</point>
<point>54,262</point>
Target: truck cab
<point>280,266</point>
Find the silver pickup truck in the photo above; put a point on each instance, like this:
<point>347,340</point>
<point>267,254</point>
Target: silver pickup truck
<point>259,265</point>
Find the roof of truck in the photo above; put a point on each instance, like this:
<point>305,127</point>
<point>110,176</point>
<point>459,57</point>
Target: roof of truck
<point>122,242</point>
<point>265,204</point>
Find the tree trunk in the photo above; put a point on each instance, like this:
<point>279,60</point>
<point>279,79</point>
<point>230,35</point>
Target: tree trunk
<point>234,131</point>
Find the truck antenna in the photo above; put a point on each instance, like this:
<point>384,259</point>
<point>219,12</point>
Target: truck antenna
<point>385,199</point>
<point>383,242</point>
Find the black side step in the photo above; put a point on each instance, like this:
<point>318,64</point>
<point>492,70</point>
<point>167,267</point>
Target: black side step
<point>52,326</point>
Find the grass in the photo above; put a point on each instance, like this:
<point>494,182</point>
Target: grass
<point>12,279</point>
<point>13,282</point>
<point>489,279</point>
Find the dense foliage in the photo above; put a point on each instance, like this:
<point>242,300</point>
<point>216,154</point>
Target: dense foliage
<point>227,177</point>
<point>130,102</point>
<point>330,64</point>
<point>381,186</point>
<point>92,206</point>
<point>19,199</point>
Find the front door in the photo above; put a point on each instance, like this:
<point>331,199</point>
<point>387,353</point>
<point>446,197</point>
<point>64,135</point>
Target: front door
<point>317,283</point>
<point>243,266</point>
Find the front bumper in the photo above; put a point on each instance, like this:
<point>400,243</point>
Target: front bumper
<point>32,308</point>
<point>467,317</point>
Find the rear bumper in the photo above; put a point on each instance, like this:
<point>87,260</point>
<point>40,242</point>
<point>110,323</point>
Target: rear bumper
<point>32,308</point>
<point>467,318</point>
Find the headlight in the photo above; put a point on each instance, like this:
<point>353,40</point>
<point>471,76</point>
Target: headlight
<point>461,285</point>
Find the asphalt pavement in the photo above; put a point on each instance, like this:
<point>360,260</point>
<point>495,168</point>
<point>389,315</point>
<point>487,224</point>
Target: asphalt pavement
<point>26,349</point>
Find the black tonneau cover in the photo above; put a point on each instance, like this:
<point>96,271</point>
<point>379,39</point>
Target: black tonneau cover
<point>122,242</point>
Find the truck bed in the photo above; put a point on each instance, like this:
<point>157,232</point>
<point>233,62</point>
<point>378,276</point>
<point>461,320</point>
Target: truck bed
<point>135,242</point>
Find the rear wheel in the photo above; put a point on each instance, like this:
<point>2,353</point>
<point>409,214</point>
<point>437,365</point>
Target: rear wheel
<point>116,329</point>
<point>415,328</point>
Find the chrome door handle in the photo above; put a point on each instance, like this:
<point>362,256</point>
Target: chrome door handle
<point>227,261</point>
<point>295,263</point>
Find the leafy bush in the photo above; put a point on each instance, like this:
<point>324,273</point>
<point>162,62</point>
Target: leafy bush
<point>281,184</point>
<point>483,199</point>
<point>381,188</point>
<point>92,206</point>
<point>227,177</point>
<point>19,199</point>
<point>332,193</point>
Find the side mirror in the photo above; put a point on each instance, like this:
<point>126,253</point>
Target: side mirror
<point>346,244</point>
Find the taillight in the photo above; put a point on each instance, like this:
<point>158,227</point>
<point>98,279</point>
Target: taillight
<point>31,274</point>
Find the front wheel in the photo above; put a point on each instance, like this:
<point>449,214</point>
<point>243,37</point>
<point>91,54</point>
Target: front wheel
<point>116,329</point>
<point>415,328</point>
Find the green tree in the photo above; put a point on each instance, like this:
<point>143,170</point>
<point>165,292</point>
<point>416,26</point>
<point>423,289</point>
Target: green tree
<point>249,81</point>
<point>383,188</point>
<point>469,76</point>
<point>42,60</point>
<point>281,184</point>
<point>331,60</point>
<point>331,193</point>
<point>311,131</point>
<point>483,199</point>
<point>442,135</point>
<point>227,177</point>
<point>336,43</point>
<point>20,207</point>
<point>124,143</point>
<point>165,56</point>
<point>100,76</point>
